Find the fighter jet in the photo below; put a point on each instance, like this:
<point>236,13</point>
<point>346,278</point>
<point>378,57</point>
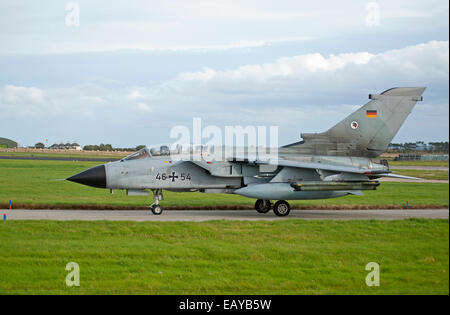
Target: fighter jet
<point>338,162</point>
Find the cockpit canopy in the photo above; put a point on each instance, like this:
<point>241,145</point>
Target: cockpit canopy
<point>141,154</point>
<point>182,152</point>
<point>162,150</point>
<point>165,150</point>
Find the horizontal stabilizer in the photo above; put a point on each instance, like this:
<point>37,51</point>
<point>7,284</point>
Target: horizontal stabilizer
<point>397,176</point>
<point>356,192</point>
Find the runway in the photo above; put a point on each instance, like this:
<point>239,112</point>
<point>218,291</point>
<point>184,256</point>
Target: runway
<point>206,215</point>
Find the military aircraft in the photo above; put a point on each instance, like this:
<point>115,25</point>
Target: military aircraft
<point>337,162</point>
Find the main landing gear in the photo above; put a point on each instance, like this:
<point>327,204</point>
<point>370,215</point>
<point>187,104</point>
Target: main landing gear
<point>155,207</point>
<point>281,208</point>
<point>263,206</point>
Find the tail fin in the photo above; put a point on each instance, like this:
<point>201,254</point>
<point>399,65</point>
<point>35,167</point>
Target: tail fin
<point>368,131</point>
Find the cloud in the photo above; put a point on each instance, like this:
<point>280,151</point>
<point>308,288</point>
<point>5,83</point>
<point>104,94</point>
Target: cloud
<point>39,26</point>
<point>19,100</point>
<point>309,63</point>
<point>307,92</point>
<point>308,75</point>
<point>22,94</point>
<point>134,94</point>
<point>143,107</point>
<point>426,59</point>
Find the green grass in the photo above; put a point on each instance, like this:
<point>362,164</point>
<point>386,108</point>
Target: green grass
<point>36,182</point>
<point>426,174</point>
<point>84,154</point>
<point>225,257</point>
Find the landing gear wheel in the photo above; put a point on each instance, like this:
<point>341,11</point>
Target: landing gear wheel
<point>281,208</point>
<point>157,209</point>
<point>263,206</point>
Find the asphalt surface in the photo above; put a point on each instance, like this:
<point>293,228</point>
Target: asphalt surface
<point>206,215</point>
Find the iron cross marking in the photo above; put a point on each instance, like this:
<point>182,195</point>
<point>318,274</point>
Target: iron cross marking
<point>173,176</point>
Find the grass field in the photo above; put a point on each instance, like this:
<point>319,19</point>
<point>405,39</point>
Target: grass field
<point>103,155</point>
<point>225,257</point>
<point>84,154</point>
<point>216,257</point>
<point>418,163</point>
<point>426,174</point>
<point>36,182</point>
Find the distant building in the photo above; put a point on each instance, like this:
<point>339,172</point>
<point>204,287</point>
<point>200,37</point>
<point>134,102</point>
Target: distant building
<point>421,157</point>
<point>396,146</point>
<point>420,146</point>
<point>416,146</point>
<point>67,146</point>
<point>7,144</point>
<point>76,146</point>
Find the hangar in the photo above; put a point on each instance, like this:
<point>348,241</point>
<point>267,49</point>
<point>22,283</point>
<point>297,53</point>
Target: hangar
<point>7,143</point>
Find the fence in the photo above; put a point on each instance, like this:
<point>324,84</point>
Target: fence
<point>421,157</point>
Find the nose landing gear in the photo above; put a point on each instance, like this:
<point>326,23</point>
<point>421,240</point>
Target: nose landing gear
<point>155,207</point>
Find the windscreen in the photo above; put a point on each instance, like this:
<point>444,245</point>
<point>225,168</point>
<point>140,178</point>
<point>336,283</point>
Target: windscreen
<point>141,154</point>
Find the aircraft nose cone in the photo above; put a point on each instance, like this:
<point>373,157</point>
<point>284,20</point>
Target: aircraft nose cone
<point>95,177</point>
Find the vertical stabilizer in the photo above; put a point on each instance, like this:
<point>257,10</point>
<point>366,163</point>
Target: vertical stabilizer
<point>368,131</point>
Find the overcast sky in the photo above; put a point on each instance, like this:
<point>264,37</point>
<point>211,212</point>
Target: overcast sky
<point>126,72</point>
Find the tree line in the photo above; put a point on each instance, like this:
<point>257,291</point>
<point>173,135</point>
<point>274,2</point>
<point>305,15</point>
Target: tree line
<point>438,147</point>
<point>109,147</point>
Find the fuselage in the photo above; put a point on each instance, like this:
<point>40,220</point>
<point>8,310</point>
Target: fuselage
<point>333,163</point>
<point>212,171</point>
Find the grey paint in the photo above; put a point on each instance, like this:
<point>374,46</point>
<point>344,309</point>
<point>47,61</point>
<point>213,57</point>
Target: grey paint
<point>372,136</point>
<point>339,158</point>
<point>144,174</point>
<point>284,191</point>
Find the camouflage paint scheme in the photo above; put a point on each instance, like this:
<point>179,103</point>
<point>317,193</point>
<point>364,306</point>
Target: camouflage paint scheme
<point>337,162</point>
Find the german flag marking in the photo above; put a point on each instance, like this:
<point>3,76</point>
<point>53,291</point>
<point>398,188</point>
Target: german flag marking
<point>371,113</point>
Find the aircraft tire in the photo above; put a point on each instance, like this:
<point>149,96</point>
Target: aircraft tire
<point>263,206</point>
<point>157,209</point>
<point>282,208</point>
